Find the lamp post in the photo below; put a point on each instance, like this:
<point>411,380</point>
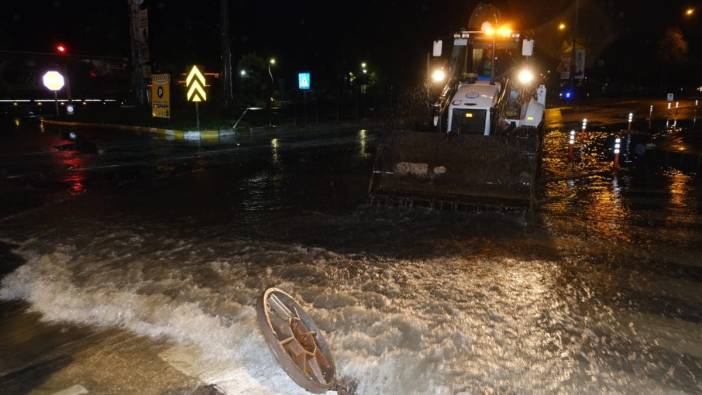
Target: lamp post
<point>53,81</point>
<point>271,62</point>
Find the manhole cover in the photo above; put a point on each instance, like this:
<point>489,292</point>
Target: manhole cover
<point>295,341</point>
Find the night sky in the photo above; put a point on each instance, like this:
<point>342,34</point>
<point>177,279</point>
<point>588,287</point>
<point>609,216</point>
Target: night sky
<point>329,36</point>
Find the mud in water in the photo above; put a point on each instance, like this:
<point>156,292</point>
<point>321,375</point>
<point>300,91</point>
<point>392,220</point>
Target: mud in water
<point>600,292</point>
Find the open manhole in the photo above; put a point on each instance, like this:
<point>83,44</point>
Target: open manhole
<point>296,342</point>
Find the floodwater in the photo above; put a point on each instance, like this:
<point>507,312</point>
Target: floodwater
<point>174,242</point>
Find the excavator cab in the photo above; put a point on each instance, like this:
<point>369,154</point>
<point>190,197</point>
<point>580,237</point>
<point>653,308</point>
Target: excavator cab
<point>488,115</point>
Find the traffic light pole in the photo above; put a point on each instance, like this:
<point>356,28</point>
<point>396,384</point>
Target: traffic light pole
<point>139,49</point>
<point>226,53</point>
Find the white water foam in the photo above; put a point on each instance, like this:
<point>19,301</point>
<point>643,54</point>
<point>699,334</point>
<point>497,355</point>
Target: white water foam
<point>446,325</point>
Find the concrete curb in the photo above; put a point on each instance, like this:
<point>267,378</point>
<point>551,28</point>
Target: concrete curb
<point>171,134</point>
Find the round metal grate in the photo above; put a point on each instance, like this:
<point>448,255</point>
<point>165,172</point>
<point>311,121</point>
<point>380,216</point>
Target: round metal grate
<point>295,341</point>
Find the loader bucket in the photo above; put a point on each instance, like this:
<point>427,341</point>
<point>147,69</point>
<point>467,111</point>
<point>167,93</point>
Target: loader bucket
<point>499,170</point>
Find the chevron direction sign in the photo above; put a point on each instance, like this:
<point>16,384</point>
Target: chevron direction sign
<point>195,85</point>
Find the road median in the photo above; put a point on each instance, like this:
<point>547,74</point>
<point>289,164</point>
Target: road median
<point>167,133</point>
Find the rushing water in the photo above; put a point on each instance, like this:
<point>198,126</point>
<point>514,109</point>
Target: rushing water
<point>601,294</point>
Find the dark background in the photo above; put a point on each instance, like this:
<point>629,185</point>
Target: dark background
<point>625,39</point>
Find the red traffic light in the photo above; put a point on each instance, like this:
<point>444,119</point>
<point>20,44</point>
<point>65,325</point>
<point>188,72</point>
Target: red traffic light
<point>61,49</point>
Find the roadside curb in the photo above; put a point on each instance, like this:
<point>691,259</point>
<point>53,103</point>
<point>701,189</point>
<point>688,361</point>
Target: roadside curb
<point>175,134</point>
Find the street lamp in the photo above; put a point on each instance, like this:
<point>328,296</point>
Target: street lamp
<point>690,12</point>
<point>53,81</point>
<point>271,63</point>
<point>562,26</point>
<point>243,73</point>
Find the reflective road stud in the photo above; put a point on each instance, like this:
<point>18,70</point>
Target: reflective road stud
<point>631,119</point>
<point>617,150</point>
<point>694,115</point>
<point>571,142</point>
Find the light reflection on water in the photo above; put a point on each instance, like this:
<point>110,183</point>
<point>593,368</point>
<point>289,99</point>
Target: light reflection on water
<point>678,188</point>
<point>363,144</point>
<point>275,149</point>
<point>75,177</point>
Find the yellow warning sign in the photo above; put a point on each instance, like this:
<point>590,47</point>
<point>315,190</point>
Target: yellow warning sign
<point>195,85</point>
<point>161,95</point>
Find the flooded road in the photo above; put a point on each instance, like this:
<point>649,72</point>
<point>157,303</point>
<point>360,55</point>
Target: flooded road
<point>163,251</point>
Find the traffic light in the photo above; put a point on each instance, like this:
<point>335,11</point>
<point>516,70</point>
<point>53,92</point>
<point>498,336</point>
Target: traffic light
<point>61,49</point>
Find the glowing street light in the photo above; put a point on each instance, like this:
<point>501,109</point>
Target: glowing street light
<point>562,26</point>
<point>243,73</point>
<point>690,12</point>
<point>364,65</point>
<point>53,81</point>
<point>271,63</point>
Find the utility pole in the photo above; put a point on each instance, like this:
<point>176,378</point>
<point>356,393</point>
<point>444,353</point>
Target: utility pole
<point>572,50</point>
<point>139,38</point>
<point>226,53</point>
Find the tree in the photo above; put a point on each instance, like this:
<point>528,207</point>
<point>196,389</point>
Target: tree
<point>253,81</point>
<point>673,48</point>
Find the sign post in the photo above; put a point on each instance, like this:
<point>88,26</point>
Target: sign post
<point>161,96</point>
<point>195,85</point>
<point>304,83</point>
